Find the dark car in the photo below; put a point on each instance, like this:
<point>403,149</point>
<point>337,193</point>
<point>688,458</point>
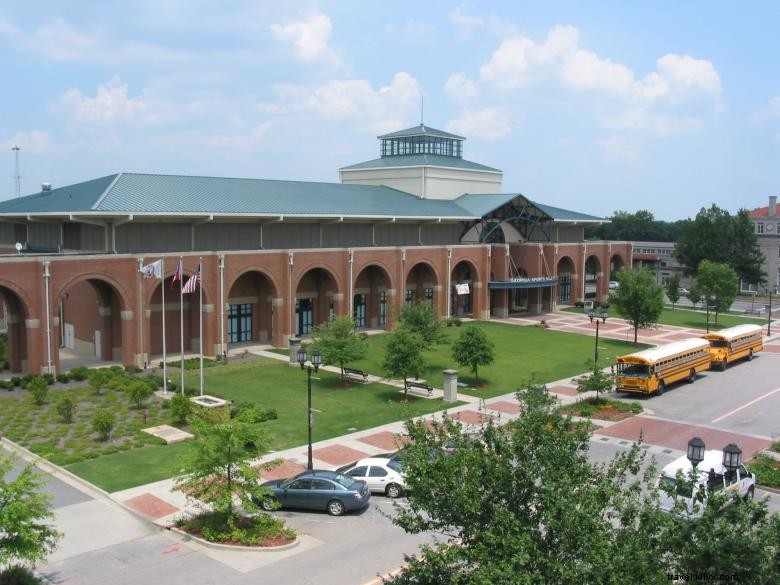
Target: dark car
<point>331,491</point>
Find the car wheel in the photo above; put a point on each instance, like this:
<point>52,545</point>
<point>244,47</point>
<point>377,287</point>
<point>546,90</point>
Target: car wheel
<point>268,504</point>
<point>750,355</point>
<point>723,365</point>
<point>394,490</point>
<point>336,508</point>
<point>661,387</point>
<point>751,493</point>
<point>691,376</point>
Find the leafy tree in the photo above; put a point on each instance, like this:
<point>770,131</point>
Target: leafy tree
<point>403,357</point>
<point>639,299</point>
<point>65,408</point>
<point>38,389</point>
<point>597,380</point>
<point>673,289</point>
<point>638,226</point>
<point>138,391</point>
<point>420,319</point>
<point>181,408</point>
<point>99,379</point>
<point>103,422</point>
<point>718,284</point>
<point>694,295</point>
<point>26,530</point>
<point>217,469</point>
<point>339,342</point>
<point>522,504</point>
<point>717,236</point>
<point>473,349</point>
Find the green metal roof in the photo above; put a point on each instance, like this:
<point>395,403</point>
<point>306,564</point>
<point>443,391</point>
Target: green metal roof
<point>420,160</point>
<point>421,130</point>
<point>481,204</point>
<point>131,193</point>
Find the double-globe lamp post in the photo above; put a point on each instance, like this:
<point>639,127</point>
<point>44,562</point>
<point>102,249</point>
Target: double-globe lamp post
<point>314,364</point>
<point>732,455</point>
<point>603,315</point>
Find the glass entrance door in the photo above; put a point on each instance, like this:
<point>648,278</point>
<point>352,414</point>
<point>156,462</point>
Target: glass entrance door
<point>564,289</point>
<point>239,323</point>
<point>359,311</point>
<point>304,316</point>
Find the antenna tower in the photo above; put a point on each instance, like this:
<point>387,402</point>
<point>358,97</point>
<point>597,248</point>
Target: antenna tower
<point>17,176</point>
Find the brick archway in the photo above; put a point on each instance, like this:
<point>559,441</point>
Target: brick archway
<point>15,315</point>
<point>372,302</point>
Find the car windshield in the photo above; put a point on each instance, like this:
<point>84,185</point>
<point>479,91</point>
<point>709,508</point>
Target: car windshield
<point>345,481</point>
<point>395,465</point>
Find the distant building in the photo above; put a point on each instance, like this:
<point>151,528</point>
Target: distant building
<point>658,257</point>
<point>766,224</point>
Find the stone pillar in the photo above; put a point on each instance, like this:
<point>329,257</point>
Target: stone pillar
<point>450,385</point>
<point>295,344</point>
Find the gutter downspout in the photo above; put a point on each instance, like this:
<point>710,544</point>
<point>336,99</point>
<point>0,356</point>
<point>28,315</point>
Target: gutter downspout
<point>46,278</point>
<point>222,306</point>
<point>351,258</point>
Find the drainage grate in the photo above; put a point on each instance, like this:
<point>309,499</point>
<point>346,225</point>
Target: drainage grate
<point>624,442</point>
<point>667,450</point>
<point>645,446</point>
<point>605,439</point>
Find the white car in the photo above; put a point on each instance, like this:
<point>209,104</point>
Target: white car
<point>383,476</point>
<point>712,477</point>
<point>614,285</point>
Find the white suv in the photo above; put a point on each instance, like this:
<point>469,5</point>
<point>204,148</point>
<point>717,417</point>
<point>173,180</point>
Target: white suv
<point>381,475</point>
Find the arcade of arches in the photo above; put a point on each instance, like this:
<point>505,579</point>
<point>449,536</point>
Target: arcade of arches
<point>94,302</point>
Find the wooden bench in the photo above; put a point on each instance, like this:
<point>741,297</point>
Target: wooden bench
<point>410,385</point>
<point>363,376</point>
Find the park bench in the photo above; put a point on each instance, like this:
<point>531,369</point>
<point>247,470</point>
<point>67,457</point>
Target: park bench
<point>410,385</point>
<point>358,374</point>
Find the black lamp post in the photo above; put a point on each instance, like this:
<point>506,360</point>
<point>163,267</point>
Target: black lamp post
<point>711,299</point>
<point>695,451</point>
<point>769,315</point>
<point>316,360</point>
<point>732,457</point>
<point>603,315</point>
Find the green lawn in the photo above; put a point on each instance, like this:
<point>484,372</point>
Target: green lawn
<point>521,352</point>
<point>683,317</point>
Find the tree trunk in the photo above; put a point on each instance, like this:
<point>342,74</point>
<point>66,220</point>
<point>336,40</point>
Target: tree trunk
<point>636,333</point>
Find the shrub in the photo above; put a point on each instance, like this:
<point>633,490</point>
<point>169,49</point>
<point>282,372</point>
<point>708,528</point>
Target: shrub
<point>154,381</point>
<point>138,391</point>
<point>256,414</point>
<point>65,408</point>
<point>767,470</point>
<point>16,381</point>
<point>133,369</point>
<point>99,379</point>
<point>18,575</point>
<point>103,422</point>
<point>49,379</point>
<point>63,378</point>
<point>181,408</point>
<point>38,389</point>
<point>79,373</point>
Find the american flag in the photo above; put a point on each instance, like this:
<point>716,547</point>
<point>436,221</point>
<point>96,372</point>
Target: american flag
<point>176,275</point>
<point>192,283</point>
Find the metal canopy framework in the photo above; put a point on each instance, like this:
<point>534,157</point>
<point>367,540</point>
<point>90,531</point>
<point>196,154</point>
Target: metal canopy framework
<point>519,212</point>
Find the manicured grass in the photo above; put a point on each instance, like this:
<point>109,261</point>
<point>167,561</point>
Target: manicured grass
<point>694,319</point>
<point>767,470</point>
<point>521,352</point>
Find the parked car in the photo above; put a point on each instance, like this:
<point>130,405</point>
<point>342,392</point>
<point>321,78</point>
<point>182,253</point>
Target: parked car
<point>614,285</point>
<point>330,491</point>
<point>712,477</point>
<point>382,475</point>
<point>682,291</point>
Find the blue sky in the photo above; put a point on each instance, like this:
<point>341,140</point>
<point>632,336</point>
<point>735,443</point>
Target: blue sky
<point>592,106</point>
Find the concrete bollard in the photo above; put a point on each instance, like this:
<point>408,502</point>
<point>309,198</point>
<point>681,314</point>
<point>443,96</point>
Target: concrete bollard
<point>295,344</point>
<point>450,385</point>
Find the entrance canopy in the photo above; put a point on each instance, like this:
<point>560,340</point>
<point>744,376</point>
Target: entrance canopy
<point>521,283</point>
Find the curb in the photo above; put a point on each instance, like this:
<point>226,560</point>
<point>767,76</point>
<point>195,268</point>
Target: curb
<point>186,537</point>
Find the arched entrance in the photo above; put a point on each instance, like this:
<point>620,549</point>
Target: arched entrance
<point>315,300</point>
<point>90,317</point>
<point>13,346</point>
<point>181,313</point>
<point>371,298</point>
<point>250,310</point>
<point>421,284</point>
<point>462,293</point>
<point>520,296</point>
<point>592,269</point>
<point>615,264</point>
<point>566,277</point>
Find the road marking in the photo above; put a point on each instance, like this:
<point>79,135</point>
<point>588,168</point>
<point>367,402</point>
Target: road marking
<point>736,410</point>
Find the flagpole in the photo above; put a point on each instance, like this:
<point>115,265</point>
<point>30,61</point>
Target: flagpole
<point>200,290</point>
<point>165,355</point>
<point>181,323</point>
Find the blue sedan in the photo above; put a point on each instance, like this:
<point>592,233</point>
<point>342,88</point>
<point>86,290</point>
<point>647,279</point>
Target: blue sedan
<point>331,491</point>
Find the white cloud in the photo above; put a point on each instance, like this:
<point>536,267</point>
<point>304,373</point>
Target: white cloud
<point>309,37</point>
<point>110,105</point>
<point>687,77</point>
<point>33,142</point>
<point>460,88</point>
<point>487,124</point>
<point>616,149</point>
<point>466,24</point>
<point>241,141</point>
<point>584,70</point>
<point>769,112</point>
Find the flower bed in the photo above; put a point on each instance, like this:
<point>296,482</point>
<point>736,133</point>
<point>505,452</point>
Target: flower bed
<point>259,531</point>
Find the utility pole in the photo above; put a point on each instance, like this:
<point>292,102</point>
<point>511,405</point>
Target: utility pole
<point>17,176</point>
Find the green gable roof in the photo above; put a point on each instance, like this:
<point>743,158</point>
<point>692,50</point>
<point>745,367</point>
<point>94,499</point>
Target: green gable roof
<point>420,160</point>
<point>73,198</point>
<point>421,130</point>
<point>481,204</point>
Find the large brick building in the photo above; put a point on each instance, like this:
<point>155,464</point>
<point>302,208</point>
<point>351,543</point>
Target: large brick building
<point>279,257</point>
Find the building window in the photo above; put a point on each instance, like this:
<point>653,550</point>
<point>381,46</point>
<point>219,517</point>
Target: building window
<point>359,311</point>
<point>409,296</point>
<point>760,228</point>
<point>240,323</point>
<point>382,308</point>
<point>429,297</point>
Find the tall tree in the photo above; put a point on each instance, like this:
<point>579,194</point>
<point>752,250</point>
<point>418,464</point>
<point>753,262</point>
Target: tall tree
<point>717,236</point>
<point>403,357</point>
<point>421,319</point>
<point>26,531</point>
<point>473,349</point>
<point>638,226</point>
<point>639,299</point>
<point>339,342</point>
<point>673,289</point>
<point>718,284</point>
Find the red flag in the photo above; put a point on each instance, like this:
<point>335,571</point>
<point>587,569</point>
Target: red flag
<point>176,274</point>
<point>192,283</point>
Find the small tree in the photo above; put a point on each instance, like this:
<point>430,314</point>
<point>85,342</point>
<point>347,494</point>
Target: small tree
<point>473,349</point>
<point>419,318</point>
<point>217,469</point>
<point>26,519</point>
<point>597,380</point>
<point>339,342</point>
<point>138,391</point>
<point>181,408</point>
<point>639,299</point>
<point>403,357</point>
<point>99,379</point>
<point>673,289</point>
<point>718,284</point>
<point>38,389</point>
<point>694,295</point>
<point>103,423</point>
<point>65,408</point>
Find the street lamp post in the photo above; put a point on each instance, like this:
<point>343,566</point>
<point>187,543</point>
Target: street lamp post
<point>603,315</point>
<point>711,300</point>
<point>732,457</point>
<point>769,315</point>
<point>314,364</point>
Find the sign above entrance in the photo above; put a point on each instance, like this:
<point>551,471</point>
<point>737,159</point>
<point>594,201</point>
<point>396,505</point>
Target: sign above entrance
<point>462,289</point>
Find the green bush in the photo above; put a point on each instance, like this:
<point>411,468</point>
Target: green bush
<point>63,378</point>
<point>79,373</point>
<point>181,408</point>
<point>65,408</point>
<point>16,381</point>
<point>247,531</point>
<point>767,470</point>
<point>138,391</point>
<point>49,379</point>
<point>103,422</point>
<point>18,575</point>
<point>38,389</point>
<point>133,369</point>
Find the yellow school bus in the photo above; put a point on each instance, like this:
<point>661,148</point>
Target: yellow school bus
<point>650,371</point>
<point>733,343</point>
